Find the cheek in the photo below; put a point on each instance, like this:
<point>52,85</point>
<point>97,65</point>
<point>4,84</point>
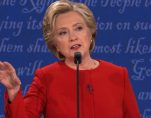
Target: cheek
<point>88,40</point>
<point>61,45</point>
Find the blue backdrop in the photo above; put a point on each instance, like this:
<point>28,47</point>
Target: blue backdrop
<point>123,37</point>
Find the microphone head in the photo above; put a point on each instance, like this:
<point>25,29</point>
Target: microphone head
<point>77,57</point>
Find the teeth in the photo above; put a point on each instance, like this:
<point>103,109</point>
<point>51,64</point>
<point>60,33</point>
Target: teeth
<point>75,46</point>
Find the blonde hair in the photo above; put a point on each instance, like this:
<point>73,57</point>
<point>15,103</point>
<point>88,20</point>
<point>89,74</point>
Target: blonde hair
<point>60,7</point>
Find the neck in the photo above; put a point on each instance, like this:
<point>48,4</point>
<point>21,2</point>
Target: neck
<point>86,63</point>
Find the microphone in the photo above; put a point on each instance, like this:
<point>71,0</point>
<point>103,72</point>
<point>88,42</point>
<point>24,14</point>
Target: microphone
<point>77,61</point>
<point>77,57</point>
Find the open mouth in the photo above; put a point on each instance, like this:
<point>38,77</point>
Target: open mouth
<point>76,46</point>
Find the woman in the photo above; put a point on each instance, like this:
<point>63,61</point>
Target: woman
<point>105,91</point>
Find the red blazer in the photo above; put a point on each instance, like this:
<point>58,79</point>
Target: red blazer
<point>105,92</point>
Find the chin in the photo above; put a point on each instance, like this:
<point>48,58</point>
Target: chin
<point>78,51</point>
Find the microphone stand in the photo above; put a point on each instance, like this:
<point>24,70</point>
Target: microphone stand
<point>77,61</point>
<point>78,90</point>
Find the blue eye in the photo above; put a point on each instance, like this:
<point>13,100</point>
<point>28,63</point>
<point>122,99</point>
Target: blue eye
<point>62,33</point>
<point>79,28</point>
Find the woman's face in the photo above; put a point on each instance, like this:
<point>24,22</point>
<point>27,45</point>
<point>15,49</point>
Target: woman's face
<point>72,35</point>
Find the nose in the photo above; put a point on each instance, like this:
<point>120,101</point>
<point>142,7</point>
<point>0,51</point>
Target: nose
<point>73,36</point>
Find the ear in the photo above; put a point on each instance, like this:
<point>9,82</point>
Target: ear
<point>57,49</point>
<point>93,32</point>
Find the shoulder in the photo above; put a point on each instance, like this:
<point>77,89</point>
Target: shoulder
<point>48,70</point>
<point>50,67</point>
<point>113,68</point>
<point>117,75</point>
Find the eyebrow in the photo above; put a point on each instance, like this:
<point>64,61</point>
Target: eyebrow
<point>77,24</point>
<point>62,28</point>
